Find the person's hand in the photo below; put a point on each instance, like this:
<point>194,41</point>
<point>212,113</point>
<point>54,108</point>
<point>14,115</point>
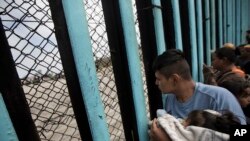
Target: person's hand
<point>206,69</point>
<point>157,133</point>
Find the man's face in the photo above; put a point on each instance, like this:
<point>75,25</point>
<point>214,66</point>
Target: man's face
<point>164,84</point>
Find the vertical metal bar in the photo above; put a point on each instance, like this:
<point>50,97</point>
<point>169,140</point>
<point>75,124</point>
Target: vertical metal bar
<point>7,131</point>
<point>85,66</point>
<point>220,18</point>
<point>177,24</point>
<point>225,14</point>
<point>200,38</point>
<point>238,22</point>
<point>208,39</point>
<point>193,37</point>
<point>69,68</point>
<point>134,67</point>
<point>13,94</point>
<point>229,21</point>
<point>247,11</point>
<point>233,10</point>
<point>147,29</point>
<point>158,22</point>
<point>120,64</point>
<point>248,21</point>
<point>244,12</point>
<point>213,25</point>
<point>248,15</point>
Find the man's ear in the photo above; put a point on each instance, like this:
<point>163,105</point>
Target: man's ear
<point>175,78</point>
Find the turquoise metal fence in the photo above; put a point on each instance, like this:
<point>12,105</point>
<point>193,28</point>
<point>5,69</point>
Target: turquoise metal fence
<point>207,25</point>
<point>7,131</point>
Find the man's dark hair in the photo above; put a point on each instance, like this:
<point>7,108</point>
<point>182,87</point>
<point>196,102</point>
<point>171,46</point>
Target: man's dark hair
<point>172,62</point>
<point>226,53</point>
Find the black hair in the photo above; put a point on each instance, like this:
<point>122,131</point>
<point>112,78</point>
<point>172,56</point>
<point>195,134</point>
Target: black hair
<point>226,53</point>
<point>248,36</point>
<point>171,62</point>
<point>246,67</point>
<point>236,87</point>
<point>220,123</point>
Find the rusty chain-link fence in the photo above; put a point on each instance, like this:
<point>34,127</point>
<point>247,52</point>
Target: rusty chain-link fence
<point>30,32</point>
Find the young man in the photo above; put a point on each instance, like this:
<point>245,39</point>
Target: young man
<point>184,94</point>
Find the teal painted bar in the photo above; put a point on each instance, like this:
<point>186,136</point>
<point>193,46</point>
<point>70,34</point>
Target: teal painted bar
<point>159,31</point>
<point>7,131</point>
<point>193,37</point>
<point>85,66</point>
<point>220,10</point>
<point>200,38</point>
<point>238,22</point>
<point>242,39</point>
<point>131,44</point>
<point>229,21</point>
<point>248,7</point>
<point>248,15</point>
<point>213,25</point>
<point>233,22</point>
<point>225,32</point>
<point>244,21</point>
<point>177,24</point>
<point>208,39</point>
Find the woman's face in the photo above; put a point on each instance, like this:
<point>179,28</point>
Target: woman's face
<point>245,101</point>
<point>217,62</point>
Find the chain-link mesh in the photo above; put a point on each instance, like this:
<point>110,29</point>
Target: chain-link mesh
<point>30,33</point>
<point>31,36</point>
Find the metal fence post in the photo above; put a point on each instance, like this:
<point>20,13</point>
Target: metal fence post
<point>200,44</point>
<point>193,41</point>
<point>148,33</point>
<point>69,66</point>
<point>13,94</point>
<point>85,66</point>
<point>220,23</point>
<point>7,131</point>
<point>158,22</point>
<point>177,24</point>
<point>132,49</point>
<point>207,32</point>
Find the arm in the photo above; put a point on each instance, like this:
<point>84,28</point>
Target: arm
<point>209,77</point>
<point>157,133</point>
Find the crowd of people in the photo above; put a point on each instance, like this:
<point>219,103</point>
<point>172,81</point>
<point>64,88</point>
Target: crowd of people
<point>222,100</point>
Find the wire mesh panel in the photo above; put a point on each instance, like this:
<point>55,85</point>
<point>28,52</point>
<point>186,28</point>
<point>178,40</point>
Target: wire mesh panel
<point>31,36</point>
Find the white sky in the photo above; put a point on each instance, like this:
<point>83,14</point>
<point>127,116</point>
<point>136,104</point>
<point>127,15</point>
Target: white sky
<point>32,39</point>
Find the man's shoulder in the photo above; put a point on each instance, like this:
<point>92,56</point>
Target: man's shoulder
<point>206,87</point>
<point>210,89</point>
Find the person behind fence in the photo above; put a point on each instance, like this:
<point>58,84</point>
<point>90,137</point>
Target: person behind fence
<point>199,125</point>
<point>241,90</point>
<point>173,78</point>
<point>223,67</point>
